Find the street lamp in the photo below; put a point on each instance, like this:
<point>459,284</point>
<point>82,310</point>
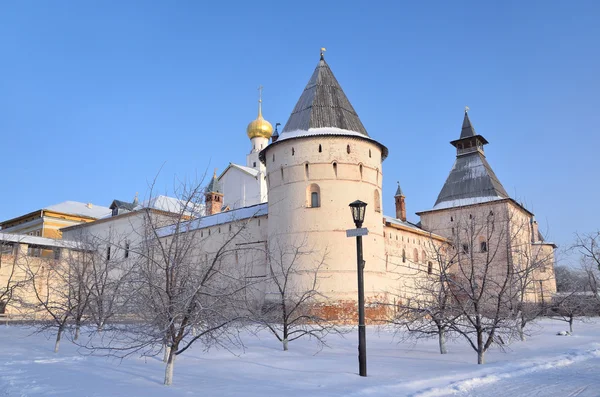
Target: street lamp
<point>358,215</point>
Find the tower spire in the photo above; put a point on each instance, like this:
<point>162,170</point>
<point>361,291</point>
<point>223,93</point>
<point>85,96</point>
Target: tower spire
<point>399,191</point>
<point>471,179</point>
<point>260,88</point>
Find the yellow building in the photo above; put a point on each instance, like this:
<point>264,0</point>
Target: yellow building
<point>47,222</point>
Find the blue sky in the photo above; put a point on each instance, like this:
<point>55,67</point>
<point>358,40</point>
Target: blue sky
<point>97,96</point>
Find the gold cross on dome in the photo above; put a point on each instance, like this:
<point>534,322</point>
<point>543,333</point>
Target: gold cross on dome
<point>260,88</point>
<point>467,109</point>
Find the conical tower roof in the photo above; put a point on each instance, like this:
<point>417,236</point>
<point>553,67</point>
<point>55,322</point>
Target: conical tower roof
<point>467,128</point>
<point>323,109</point>
<point>471,179</point>
<point>214,186</point>
<point>323,104</point>
<point>399,191</point>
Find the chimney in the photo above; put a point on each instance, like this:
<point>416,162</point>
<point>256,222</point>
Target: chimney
<point>400,204</point>
<point>535,230</point>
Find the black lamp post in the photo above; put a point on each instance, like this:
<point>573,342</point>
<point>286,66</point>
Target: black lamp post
<point>358,214</point>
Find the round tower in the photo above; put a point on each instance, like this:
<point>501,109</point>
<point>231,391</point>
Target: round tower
<point>323,160</point>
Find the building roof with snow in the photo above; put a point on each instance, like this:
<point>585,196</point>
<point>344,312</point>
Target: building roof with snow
<point>80,209</point>
<point>220,218</point>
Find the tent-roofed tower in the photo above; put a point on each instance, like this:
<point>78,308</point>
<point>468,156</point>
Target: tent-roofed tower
<point>324,109</point>
<point>471,179</point>
<point>323,160</point>
<point>323,104</point>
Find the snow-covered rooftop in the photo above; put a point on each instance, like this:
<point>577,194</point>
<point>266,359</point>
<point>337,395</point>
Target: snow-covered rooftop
<point>245,169</point>
<point>466,201</point>
<point>35,240</point>
<point>81,209</point>
<point>319,131</point>
<point>218,219</point>
<point>407,224</point>
<point>171,204</point>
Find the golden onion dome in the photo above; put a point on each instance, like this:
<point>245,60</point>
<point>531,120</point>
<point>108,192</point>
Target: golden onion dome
<point>259,127</point>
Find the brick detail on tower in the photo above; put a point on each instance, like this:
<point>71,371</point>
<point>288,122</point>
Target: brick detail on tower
<point>400,208</point>
<point>214,203</point>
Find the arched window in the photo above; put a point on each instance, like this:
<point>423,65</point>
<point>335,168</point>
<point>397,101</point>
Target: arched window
<point>360,169</point>
<point>416,255</point>
<point>320,149</point>
<point>306,170</point>
<point>281,173</point>
<point>313,196</point>
<point>429,267</point>
<point>293,151</point>
<point>273,156</point>
<point>369,153</point>
<point>335,169</point>
<point>403,255</point>
<point>348,149</point>
<point>377,201</point>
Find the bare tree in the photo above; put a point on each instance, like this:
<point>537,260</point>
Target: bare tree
<point>184,285</point>
<point>55,285</point>
<point>429,312</point>
<point>532,267</point>
<point>13,274</point>
<point>588,246</point>
<point>291,308</point>
<point>481,281</point>
<point>567,306</point>
<point>109,270</point>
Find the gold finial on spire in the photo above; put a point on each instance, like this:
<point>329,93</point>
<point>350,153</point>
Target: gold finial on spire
<point>215,173</point>
<point>323,49</point>
<point>259,127</point>
<point>467,109</point>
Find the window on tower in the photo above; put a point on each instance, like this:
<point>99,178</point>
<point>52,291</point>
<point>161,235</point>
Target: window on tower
<point>377,201</point>
<point>314,196</point>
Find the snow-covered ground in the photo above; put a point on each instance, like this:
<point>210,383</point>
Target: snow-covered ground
<point>545,365</point>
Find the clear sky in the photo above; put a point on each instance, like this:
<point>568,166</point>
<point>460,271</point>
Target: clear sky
<point>97,96</point>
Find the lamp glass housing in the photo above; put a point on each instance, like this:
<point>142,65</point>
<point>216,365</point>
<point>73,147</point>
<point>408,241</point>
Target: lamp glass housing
<point>358,212</point>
